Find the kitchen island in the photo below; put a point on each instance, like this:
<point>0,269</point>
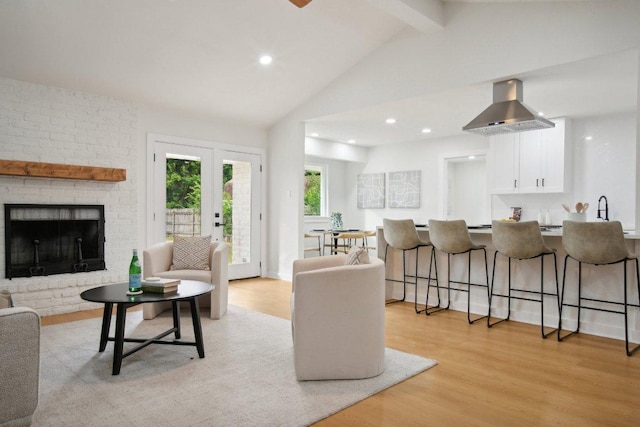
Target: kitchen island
<point>602,282</point>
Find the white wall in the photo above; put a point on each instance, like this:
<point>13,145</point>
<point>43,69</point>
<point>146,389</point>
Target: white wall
<point>174,124</point>
<point>285,198</point>
<point>425,156</point>
<point>336,172</point>
<point>467,194</point>
<point>604,165</point>
<point>47,124</point>
<point>534,35</point>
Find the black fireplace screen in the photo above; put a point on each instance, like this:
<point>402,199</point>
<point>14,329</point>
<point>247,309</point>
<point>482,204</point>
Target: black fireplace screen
<point>53,239</point>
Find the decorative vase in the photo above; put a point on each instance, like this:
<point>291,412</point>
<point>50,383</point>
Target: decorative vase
<point>336,220</point>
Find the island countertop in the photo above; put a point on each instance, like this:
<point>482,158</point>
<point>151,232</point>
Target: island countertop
<point>552,231</point>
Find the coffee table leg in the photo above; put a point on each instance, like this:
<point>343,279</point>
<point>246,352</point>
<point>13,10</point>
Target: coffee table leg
<point>175,307</point>
<point>106,323</point>
<point>121,314</point>
<point>197,327</point>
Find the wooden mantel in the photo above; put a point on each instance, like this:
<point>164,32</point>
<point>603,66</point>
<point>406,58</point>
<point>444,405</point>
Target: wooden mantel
<point>54,170</point>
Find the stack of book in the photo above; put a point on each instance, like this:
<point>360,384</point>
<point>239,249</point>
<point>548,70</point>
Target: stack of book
<point>160,286</point>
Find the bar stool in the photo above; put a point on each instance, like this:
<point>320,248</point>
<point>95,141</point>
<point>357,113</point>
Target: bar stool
<point>597,243</point>
<point>452,238</point>
<point>402,235</point>
<point>521,241</point>
<point>318,248</point>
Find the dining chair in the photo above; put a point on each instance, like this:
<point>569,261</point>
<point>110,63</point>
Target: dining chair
<point>317,244</point>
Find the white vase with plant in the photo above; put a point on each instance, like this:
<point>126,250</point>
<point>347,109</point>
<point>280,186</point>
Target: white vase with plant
<point>336,220</point>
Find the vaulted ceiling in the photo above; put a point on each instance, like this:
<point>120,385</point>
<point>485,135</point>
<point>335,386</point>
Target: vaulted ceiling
<point>201,58</point>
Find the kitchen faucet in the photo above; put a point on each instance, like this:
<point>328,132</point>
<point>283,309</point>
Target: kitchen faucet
<point>605,210</point>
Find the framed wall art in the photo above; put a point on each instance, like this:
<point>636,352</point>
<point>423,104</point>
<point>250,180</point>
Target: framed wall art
<point>370,191</point>
<point>404,189</point>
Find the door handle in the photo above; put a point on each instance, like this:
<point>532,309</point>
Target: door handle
<point>218,224</point>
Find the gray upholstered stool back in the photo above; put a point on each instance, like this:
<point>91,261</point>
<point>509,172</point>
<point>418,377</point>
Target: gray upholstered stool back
<point>402,234</point>
<point>519,240</point>
<point>451,237</point>
<point>594,242</point>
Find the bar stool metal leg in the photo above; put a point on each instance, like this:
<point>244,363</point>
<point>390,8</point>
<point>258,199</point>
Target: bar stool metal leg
<point>509,295</point>
<point>469,284</point>
<point>562,302</point>
<point>432,309</point>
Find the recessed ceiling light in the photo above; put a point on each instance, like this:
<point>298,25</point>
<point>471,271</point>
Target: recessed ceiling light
<point>588,138</point>
<point>390,121</point>
<point>351,141</point>
<point>426,130</point>
<point>540,113</point>
<point>472,157</point>
<point>266,59</point>
<point>315,134</point>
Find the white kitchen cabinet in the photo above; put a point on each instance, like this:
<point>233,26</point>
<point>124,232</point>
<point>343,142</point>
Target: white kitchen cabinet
<point>504,163</point>
<point>532,162</point>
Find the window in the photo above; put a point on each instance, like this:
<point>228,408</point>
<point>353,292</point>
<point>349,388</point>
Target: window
<point>315,193</point>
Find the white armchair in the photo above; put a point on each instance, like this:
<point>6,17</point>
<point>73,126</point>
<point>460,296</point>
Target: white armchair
<point>337,315</point>
<point>156,262</point>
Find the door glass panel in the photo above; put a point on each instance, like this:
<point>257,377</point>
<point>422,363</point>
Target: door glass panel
<point>183,200</point>
<point>236,209</point>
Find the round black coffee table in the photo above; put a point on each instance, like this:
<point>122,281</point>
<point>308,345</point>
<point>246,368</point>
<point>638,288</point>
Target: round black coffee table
<point>188,290</point>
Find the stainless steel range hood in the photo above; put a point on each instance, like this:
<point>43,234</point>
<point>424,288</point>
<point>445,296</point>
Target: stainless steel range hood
<point>507,114</point>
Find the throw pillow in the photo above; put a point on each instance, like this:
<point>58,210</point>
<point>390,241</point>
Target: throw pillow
<point>5,299</point>
<point>191,253</point>
<point>357,256</point>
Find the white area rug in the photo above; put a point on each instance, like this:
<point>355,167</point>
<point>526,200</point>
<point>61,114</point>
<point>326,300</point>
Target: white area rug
<point>246,379</point>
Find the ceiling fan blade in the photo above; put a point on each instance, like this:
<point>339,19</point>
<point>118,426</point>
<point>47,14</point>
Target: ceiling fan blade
<point>300,3</point>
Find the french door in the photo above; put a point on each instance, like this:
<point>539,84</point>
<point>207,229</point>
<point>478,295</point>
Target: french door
<point>199,191</point>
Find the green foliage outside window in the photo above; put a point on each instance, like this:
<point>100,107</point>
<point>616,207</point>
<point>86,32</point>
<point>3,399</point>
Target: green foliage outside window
<point>227,202</point>
<point>184,189</point>
<point>312,193</point>
<point>183,184</point>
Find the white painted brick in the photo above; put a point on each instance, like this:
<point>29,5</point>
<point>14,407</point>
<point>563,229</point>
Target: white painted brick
<point>58,136</point>
<point>36,134</point>
<point>37,118</point>
<point>13,131</point>
<point>55,125</point>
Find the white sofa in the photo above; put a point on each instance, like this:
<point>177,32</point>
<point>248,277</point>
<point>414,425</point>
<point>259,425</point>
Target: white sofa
<point>20,368</point>
<point>337,315</point>
<point>156,262</point>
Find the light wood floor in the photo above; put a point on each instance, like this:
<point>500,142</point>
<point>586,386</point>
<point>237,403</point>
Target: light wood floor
<point>503,376</point>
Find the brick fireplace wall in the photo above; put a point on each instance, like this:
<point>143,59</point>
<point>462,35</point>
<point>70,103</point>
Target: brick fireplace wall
<point>45,124</point>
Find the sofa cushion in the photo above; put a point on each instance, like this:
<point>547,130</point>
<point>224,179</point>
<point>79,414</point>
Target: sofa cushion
<point>191,253</point>
<point>357,256</point>
<point>5,299</point>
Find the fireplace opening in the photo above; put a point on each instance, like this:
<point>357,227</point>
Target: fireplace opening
<point>42,240</point>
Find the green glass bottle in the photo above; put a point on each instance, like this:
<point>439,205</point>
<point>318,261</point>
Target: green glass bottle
<point>135,273</point>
